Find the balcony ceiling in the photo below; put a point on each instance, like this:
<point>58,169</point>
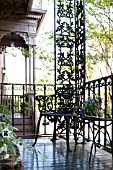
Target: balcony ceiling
<point>14,7</point>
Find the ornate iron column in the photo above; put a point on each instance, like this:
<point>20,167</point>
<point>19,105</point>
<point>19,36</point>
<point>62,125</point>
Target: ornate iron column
<point>69,38</point>
<point>80,51</point>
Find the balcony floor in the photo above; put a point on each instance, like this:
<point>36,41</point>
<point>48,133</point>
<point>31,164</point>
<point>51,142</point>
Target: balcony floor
<point>59,159</point>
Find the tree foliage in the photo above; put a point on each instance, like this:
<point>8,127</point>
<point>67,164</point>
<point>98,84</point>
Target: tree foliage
<point>99,36</point>
<point>45,58</point>
<point>45,47</point>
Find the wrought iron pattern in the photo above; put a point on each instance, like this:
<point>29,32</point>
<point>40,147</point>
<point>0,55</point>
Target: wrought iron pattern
<point>80,51</point>
<point>103,88</point>
<point>46,103</point>
<point>11,94</point>
<point>65,98</point>
<point>65,41</point>
<point>70,51</point>
<point>65,54</point>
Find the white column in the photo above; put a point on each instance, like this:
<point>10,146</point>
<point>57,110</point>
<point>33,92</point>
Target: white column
<point>34,64</point>
<point>29,64</point>
<point>26,75</point>
<point>4,76</point>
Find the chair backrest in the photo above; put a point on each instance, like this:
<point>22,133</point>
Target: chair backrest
<point>46,103</point>
<point>54,103</point>
<point>65,99</point>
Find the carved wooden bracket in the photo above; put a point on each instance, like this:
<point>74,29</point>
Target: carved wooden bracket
<point>24,36</point>
<point>2,33</point>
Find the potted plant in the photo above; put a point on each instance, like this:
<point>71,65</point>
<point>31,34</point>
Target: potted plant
<point>9,151</point>
<point>8,138</point>
<point>92,107</point>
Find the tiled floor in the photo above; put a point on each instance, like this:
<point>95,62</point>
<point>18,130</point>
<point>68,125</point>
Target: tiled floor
<point>59,159</point>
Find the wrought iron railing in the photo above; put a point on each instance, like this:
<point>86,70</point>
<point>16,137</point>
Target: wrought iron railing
<point>20,99</point>
<point>102,87</point>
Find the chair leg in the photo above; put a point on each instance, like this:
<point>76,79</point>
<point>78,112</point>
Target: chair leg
<point>54,132</point>
<point>67,133</point>
<point>37,132</point>
<point>75,132</point>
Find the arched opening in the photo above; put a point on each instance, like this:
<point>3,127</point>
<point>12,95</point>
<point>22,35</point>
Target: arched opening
<point>12,60</point>
<point>18,40</point>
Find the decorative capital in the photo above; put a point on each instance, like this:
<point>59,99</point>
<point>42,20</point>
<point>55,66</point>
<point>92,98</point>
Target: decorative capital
<point>32,39</point>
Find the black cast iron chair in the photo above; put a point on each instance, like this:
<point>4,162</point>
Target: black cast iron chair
<point>47,108</point>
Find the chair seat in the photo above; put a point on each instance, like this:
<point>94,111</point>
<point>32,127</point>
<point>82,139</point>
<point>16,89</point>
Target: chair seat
<point>56,114</point>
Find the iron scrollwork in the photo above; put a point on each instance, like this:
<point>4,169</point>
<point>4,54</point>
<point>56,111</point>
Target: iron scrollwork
<point>80,51</point>
<point>65,53</point>
<point>70,54</point>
